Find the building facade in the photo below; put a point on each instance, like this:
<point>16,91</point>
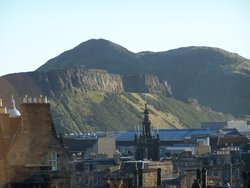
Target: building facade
<point>31,153</point>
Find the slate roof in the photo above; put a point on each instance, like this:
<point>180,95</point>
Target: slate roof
<point>179,134</point>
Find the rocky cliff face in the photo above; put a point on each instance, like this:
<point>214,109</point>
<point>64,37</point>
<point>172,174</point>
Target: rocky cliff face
<point>81,79</point>
<point>217,78</point>
<point>145,83</point>
<point>54,82</point>
<point>93,100</point>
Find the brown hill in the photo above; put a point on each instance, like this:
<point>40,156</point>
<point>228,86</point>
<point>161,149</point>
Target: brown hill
<point>93,100</point>
<point>215,77</point>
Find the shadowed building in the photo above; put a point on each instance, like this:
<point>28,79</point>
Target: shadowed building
<point>147,146</point>
<point>90,147</point>
<point>30,153</point>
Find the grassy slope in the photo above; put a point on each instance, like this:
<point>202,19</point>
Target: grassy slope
<point>217,78</point>
<point>98,111</point>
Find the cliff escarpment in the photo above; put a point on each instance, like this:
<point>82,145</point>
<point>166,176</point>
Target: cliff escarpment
<point>81,79</point>
<point>93,100</point>
<point>216,78</point>
<point>109,93</point>
<point>145,83</point>
<point>54,82</point>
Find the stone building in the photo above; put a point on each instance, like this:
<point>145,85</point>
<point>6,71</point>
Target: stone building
<point>147,146</point>
<point>89,147</point>
<point>30,153</point>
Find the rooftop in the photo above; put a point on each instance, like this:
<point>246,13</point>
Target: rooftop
<point>178,134</point>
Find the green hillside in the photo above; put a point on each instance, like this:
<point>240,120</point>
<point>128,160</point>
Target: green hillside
<point>98,111</point>
<point>217,78</point>
<point>84,100</point>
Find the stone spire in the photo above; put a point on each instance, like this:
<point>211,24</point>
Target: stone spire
<point>147,146</point>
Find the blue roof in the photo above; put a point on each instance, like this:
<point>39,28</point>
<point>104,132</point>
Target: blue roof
<point>175,134</point>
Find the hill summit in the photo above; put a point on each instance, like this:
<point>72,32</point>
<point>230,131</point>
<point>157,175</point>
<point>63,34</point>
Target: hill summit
<point>93,54</point>
<point>102,86</point>
<point>215,77</point>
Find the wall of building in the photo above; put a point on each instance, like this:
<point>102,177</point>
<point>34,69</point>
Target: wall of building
<point>105,146</point>
<point>7,132</point>
<point>165,166</point>
<point>33,146</point>
<point>201,149</point>
<point>149,178</point>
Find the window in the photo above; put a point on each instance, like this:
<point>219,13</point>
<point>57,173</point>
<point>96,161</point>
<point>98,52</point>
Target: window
<point>52,160</point>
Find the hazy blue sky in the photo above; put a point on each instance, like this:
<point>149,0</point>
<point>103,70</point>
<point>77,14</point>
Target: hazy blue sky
<point>33,31</point>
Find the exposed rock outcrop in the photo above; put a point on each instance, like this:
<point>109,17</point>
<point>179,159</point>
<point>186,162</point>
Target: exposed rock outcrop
<point>93,100</point>
<point>81,79</point>
<point>146,84</point>
<point>213,76</point>
<point>54,82</point>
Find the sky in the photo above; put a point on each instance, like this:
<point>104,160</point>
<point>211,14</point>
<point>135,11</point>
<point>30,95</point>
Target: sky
<point>34,31</point>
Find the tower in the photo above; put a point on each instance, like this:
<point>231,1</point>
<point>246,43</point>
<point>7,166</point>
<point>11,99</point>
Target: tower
<point>147,146</point>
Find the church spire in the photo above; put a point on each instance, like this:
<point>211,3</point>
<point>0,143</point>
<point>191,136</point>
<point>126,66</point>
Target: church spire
<point>147,146</point>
